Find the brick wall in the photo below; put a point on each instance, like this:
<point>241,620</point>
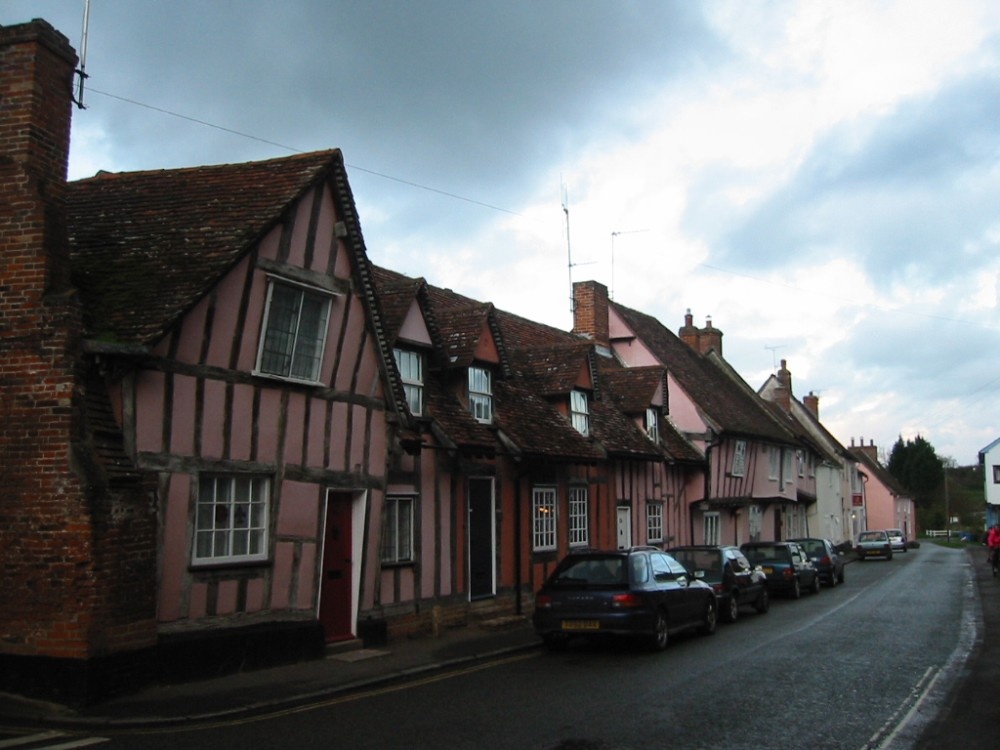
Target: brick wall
<point>77,546</point>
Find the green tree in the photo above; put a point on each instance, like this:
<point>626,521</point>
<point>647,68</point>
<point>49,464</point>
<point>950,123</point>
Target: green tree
<point>916,466</point>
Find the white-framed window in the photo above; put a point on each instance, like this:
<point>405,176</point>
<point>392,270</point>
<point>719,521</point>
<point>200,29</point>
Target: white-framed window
<point>712,528</point>
<point>786,466</point>
<point>996,475</point>
<point>755,522</point>
<point>481,394</point>
<point>654,522</point>
<point>579,412</point>
<point>653,425</point>
<point>294,332</point>
<point>739,458</point>
<point>773,461</point>
<point>411,371</point>
<point>543,518</point>
<point>397,529</point>
<point>800,460</point>
<point>579,528</point>
<point>231,518</point>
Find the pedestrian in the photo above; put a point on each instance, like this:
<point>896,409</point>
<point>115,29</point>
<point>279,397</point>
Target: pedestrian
<point>993,542</point>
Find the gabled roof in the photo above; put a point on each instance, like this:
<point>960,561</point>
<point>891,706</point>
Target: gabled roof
<point>877,471</point>
<point>732,407</point>
<point>461,321</point>
<point>147,246</point>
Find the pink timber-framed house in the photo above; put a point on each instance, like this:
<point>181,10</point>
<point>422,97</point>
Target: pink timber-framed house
<point>750,486</point>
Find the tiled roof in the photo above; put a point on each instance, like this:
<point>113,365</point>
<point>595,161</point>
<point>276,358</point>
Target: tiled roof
<point>538,429</point>
<point>553,369</point>
<point>146,246</point>
<point>731,407</point>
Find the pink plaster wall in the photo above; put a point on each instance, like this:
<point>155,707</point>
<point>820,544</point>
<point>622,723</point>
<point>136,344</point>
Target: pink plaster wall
<point>317,434</point>
<point>198,604</point>
<point>338,434</point>
<point>281,575</point>
<point>226,597</point>
<point>174,549</point>
<point>358,434</point>
<point>295,423</point>
<point>182,422</point>
<point>683,411</point>
<point>298,512</point>
<point>242,432</point>
<point>267,424</point>
<point>414,329</point>
<point>255,595</point>
<point>149,406</point>
<point>213,419</point>
<point>306,596</point>
<point>225,316</point>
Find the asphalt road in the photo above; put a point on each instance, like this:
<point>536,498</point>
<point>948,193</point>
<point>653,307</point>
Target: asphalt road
<point>862,665</point>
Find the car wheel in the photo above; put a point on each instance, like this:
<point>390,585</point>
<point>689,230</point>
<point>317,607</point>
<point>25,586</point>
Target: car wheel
<point>840,576</point>
<point>796,591</point>
<point>763,602</point>
<point>731,610</point>
<point>889,556</point>
<point>814,588</point>
<point>555,642</point>
<point>661,635</point>
<point>833,578</point>
<point>711,618</point>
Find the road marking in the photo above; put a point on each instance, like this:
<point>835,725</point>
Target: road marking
<point>34,739</point>
<point>884,737</point>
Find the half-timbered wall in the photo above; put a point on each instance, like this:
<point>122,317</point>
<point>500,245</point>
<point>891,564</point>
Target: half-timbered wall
<point>195,406</point>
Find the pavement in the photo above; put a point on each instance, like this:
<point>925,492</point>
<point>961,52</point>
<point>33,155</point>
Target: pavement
<point>967,717</point>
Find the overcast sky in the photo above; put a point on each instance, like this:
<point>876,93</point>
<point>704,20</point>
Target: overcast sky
<point>821,178</point>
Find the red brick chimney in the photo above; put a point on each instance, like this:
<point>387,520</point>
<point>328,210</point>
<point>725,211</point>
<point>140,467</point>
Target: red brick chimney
<point>811,402</point>
<point>68,551</point>
<point>704,340</point>
<point>710,338</point>
<point>688,333</point>
<point>783,393</point>
<point>869,450</point>
<point>590,311</point>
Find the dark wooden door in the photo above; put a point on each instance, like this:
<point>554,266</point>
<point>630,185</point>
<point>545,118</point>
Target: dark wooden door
<point>482,555</point>
<point>335,599</point>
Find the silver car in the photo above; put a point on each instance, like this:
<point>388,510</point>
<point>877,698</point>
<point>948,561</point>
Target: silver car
<point>896,539</point>
<point>873,544</point>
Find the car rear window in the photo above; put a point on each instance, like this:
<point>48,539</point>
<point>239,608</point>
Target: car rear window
<point>814,547</point>
<point>872,536</point>
<point>766,553</point>
<point>607,570</point>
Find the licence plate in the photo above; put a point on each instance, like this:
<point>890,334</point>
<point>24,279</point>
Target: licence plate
<point>581,625</point>
<point>768,569</point>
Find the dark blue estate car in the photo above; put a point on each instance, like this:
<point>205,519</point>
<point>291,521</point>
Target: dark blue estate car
<point>640,592</point>
<point>786,564</point>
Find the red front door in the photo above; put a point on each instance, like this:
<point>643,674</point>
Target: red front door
<point>335,598</point>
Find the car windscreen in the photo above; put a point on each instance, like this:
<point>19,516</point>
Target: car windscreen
<point>609,570</point>
<point>709,562</point>
<point>813,547</point>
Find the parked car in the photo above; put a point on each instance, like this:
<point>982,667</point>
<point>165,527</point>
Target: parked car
<point>825,557</point>
<point>896,539</point>
<point>873,544</point>
<point>735,581</point>
<point>640,592</point>
<point>787,566</point>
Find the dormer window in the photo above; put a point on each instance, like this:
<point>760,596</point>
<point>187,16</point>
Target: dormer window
<point>580,412</point>
<point>653,425</point>
<point>411,371</point>
<point>295,324</point>
<point>481,394</point>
